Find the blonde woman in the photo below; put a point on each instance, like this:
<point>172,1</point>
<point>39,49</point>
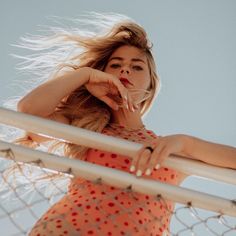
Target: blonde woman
<point>107,84</point>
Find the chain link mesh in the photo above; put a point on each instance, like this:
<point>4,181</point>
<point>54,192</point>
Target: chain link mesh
<point>24,199</point>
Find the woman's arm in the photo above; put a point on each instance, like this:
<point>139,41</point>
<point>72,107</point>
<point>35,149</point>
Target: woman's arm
<point>43,100</point>
<point>186,146</point>
<point>209,152</point>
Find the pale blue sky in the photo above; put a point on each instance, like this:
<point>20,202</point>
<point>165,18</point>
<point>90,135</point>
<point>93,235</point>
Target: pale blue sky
<point>195,51</point>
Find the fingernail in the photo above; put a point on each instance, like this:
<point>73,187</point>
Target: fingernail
<point>148,172</point>
<point>139,173</point>
<point>157,166</point>
<point>132,168</point>
<point>132,109</point>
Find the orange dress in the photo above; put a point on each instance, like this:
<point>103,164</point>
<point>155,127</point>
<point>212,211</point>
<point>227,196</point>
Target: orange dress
<point>93,208</point>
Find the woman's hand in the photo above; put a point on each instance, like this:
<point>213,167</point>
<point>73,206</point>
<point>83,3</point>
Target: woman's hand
<point>146,160</point>
<point>108,89</point>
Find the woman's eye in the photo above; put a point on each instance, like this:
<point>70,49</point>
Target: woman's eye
<point>115,65</point>
<point>137,67</point>
<point>118,65</point>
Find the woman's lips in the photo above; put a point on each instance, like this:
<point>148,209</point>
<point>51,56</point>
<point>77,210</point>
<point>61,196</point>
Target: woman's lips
<point>125,81</point>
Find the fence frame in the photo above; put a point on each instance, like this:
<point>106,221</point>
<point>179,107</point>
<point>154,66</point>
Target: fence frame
<point>107,143</point>
<point>110,176</point>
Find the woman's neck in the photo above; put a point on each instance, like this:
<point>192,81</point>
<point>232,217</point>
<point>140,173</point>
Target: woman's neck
<point>127,119</point>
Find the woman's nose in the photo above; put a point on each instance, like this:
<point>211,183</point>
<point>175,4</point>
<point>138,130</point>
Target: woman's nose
<point>124,71</point>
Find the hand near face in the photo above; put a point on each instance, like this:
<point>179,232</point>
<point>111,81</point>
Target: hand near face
<point>109,89</point>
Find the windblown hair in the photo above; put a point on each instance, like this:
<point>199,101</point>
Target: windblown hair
<point>65,50</point>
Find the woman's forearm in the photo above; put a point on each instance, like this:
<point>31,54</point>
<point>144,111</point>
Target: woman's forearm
<point>43,100</point>
<point>209,152</point>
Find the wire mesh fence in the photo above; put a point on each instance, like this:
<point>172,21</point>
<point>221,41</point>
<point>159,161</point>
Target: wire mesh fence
<point>66,204</point>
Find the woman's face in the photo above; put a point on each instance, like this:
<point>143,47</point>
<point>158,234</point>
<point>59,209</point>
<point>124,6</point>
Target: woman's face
<point>128,62</point>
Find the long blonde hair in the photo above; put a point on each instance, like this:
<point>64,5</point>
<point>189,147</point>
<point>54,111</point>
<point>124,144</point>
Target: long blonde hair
<point>71,49</point>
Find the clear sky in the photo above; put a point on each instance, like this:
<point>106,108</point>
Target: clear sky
<point>195,51</point>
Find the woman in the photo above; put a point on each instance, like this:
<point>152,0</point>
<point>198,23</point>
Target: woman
<point>108,88</point>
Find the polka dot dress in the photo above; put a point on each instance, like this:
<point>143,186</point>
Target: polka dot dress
<point>93,208</point>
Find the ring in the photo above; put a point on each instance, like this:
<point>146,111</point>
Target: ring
<point>150,149</point>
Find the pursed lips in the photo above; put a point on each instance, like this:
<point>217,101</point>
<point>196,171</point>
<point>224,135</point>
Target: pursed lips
<point>125,81</point>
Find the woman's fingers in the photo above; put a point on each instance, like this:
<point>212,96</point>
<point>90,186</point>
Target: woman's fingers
<point>156,159</point>
<point>110,102</point>
<point>127,99</point>
<point>139,161</point>
<point>146,161</point>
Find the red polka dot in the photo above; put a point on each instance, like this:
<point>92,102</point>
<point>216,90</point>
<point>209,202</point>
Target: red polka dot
<point>97,219</point>
<point>127,161</point>
<point>79,205</point>
<point>139,133</point>
<point>140,221</point>
<point>109,233</point>
<point>101,154</point>
<point>58,226</point>
<point>90,232</point>
<point>137,212</point>
<point>111,204</point>
<point>88,206</point>
<point>92,192</point>
<point>113,155</point>
<point>65,205</point>
<point>65,232</point>
<point>126,223</point>
<point>172,176</point>
<point>147,197</point>
<point>166,169</point>
<point>58,221</point>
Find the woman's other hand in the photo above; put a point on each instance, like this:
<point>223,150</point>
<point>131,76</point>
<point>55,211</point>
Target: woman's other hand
<point>108,89</point>
<point>148,159</point>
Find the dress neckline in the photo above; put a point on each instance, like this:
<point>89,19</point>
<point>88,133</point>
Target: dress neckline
<point>119,126</point>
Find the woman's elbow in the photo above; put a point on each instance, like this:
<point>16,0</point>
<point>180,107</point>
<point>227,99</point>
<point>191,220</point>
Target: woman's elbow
<point>29,108</point>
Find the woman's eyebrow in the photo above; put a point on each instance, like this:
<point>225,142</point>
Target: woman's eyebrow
<point>121,59</point>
